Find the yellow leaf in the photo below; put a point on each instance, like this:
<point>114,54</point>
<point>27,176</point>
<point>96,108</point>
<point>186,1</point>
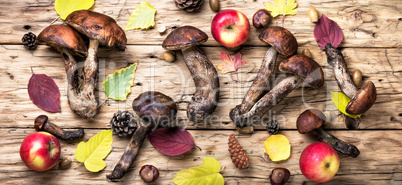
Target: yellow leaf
<point>277,147</point>
<point>95,150</point>
<point>207,174</point>
<point>65,7</point>
<point>341,101</point>
<point>142,17</point>
<point>281,7</point>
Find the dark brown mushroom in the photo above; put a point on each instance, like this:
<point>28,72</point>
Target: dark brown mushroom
<point>42,124</point>
<point>204,74</point>
<point>311,120</point>
<point>100,29</point>
<point>156,109</point>
<point>363,100</point>
<point>281,41</point>
<point>68,42</point>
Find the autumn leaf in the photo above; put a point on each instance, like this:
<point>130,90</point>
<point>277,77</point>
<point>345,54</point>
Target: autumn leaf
<point>277,147</point>
<point>142,17</point>
<point>207,174</point>
<point>118,84</point>
<point>44,92</point>
<point>95,150</point>
<point>281,7</point>
<point>327,31</point>
<point>230,65</point>
<point>171,141</point>
<point>65,7</point>
<point>341,101</point>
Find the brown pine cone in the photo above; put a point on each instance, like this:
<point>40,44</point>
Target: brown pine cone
<point>29,40</point>
<point>237,153</point>
<point>273,127</point>
<point>123,123</point>
<point>188,5</point>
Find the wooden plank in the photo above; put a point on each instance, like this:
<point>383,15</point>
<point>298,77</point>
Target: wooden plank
<point>382,66</point>
<point>375,165</point>
<point>364,23</point>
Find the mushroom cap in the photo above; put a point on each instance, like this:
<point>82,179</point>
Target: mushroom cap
<point>363,100</point>
<point>40,121</point>
<point>309,120</point>
<point>281,39</point>
<point>99,27</point>
<point>184,37</point>
<point>155,107</point>
<point>305,67</point>
<point>63,36</point>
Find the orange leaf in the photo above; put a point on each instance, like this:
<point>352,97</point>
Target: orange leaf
<point>230,65</point>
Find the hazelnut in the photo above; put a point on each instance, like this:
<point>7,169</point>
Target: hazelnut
<point>149,173</point>
<point>261,18</point>
<point>279,176</point>
<point>169,56</point>
<point>214,4</point>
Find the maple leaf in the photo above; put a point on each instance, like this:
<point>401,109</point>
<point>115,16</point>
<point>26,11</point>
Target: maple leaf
<point>281,7</point>
<point>230,64</point>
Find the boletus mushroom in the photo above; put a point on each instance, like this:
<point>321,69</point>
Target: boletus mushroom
<point>68,42</point>
<point>204,74</point>
<point>282,41</point>
<point>311,120</point>
<point>155,109</point>
<point>361,100</point>
<point>100,29</point>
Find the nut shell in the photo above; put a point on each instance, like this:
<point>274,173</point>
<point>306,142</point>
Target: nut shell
<point>309,120</point>
<point>281,39</point>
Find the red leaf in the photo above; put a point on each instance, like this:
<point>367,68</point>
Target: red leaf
<point>171,141</point>
<point>44,92</point>
<point>230,65</point>
<point>327,31</point>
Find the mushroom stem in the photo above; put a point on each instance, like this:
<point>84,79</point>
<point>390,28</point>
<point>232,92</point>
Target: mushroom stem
<point>337,144</point>
<point>131,151</point>
<point>260,84</point>
<point>206,80</point>
<point>273,97</point>
<point>41,124</point>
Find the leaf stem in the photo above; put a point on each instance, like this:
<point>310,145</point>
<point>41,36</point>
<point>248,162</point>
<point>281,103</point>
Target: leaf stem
<point>237,76</point>
<point>283,19</point>
<point>54,20</point>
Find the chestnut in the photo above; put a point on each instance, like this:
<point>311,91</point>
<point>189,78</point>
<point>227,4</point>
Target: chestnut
<point>149,173</point>
<point>279,176</point>
<point>261,18</point>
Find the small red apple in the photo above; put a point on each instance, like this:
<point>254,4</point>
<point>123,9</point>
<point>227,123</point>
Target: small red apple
<point>319,162</point>
<point>40,151</point>
<point>230,28</point>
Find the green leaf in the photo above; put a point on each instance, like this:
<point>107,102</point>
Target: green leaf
<point>95,150</point>
<point>142,17</point>
<point>207,174</point>
<point>65,7</point>
<point>341,101</point>
<point>118,84</point>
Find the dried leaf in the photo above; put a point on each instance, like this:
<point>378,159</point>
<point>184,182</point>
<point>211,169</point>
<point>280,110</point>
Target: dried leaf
<point>281,7</point>
<point>95,150</point>
<point>118,84</point>
<point>65,7</point>
<point>143,17</point>
<point>171,141</point>
<point>230,65</point>
<point>207,174</point>
<point>327,31</point>
<point>341,101</point>
<point>277,147</point>
<point>44,92</point>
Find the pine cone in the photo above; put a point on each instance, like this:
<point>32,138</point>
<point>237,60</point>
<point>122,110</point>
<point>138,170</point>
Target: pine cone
<point>237,153</point>
<point>273,127</point>
<point>123,123</point>
<point>188,5</point>
<point>29,40</point>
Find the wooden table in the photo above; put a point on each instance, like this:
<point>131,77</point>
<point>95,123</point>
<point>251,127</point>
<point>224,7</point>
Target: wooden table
<point>372,43</point>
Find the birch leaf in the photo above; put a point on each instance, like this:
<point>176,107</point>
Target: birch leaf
<point>118,84</point>
<point>143,17</point>
<point>207,174</point>
<point>65,7</point>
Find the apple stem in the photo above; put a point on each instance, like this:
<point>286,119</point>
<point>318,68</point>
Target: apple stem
<point>339,145</point>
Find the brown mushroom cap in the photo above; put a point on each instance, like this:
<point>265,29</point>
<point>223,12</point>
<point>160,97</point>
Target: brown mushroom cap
<point>281,39</point>
<point>155,107</point>
<point>309,120</point>
<point>363,100</point>
<point>305,67</point>
<point>63,36</point>
<point>184,37</point>
<point>40,121</point>
<point>98,26</point>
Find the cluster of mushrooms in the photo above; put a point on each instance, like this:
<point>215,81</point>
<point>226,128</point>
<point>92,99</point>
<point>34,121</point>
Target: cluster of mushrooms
<point>156,109</point>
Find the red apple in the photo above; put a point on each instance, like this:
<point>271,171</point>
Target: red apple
<point>319,162</point>
<point>230,28</point>
<point>40,151</point>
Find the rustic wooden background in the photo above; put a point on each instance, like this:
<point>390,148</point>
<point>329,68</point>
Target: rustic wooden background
<point>372,43</point>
